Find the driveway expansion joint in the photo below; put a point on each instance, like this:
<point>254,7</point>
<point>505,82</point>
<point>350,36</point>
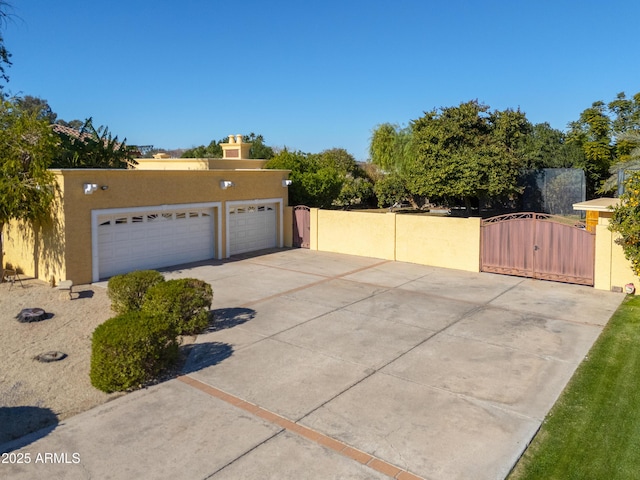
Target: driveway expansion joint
<point>310,434</point>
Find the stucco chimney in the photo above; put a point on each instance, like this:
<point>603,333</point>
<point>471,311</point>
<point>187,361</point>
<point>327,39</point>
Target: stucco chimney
<point>232,139</point>
<point>238,138</point>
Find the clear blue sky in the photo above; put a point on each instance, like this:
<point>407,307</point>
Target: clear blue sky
<point>312,75</point>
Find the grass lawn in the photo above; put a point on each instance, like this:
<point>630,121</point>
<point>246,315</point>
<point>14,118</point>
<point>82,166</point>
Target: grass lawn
<point>593,431</point>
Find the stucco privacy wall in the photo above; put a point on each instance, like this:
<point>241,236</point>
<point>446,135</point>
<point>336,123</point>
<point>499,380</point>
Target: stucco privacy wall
<point>356,233</point>
<point>197,164</point>
<point>441,242</point>
<point>37,249</point>
<point>426,240</point>
<point>69,247</point>
<point>612,269</point>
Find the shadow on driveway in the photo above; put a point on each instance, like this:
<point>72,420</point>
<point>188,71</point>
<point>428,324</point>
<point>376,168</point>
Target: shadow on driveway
<point>203,355</point>
<point>14,421</point>
<point>223,318</point>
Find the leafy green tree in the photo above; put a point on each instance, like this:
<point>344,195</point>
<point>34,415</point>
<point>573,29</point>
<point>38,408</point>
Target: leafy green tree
<point>592,133</point>
<point>90,147</point>
<point>258,148</point>
<point>626,119</point>
<point>467,152</point>
<point>546,147</point>
<point>38,106</point>
<point>213,150</point>
<point>391,147</point>
<point>631,160</point>
<point>392,189</point>
<point>75,124</point>
<point>354,191</point>
<point>626,221</point>
<point>318,179</point>
<point>27,147</point>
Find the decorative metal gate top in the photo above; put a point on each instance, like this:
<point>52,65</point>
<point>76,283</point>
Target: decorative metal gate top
<point>538,245</point>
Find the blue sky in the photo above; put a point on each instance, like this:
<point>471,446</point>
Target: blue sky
<point>312,75</point>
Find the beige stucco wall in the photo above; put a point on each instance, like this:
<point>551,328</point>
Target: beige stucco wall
<point>426,240</point>
<point>288,227</point>
<point>37,249</point>
<point>198,164</point>
<point>439,241</point>
<point>612,269</point>
<point>356,233</point>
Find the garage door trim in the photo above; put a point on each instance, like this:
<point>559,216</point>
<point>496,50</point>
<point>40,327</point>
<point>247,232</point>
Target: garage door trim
<point>231,204</point>
<point>96,214</point>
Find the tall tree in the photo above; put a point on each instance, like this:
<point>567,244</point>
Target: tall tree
<point>592,133</point>
<point>27,147</point>
<point>37,105</point>
<point>467,152</point>
<point>391,147</point>
<point>547,147</point>
<point>625,119</point>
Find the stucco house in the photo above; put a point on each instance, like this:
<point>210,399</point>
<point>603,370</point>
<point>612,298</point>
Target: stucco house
<point>163,212</point>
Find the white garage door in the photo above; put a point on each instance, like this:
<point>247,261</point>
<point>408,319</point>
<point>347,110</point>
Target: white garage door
<point>154,239</point>
<point>252,227</point>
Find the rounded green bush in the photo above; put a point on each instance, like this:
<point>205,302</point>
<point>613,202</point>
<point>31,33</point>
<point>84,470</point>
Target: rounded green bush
<point>130,350</point>
<point>185,301</point>
<point>127,291</point>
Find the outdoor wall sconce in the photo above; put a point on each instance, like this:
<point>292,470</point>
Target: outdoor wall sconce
<point>104,187</point>
<point>286,183</point>
<point>89,188</point>
<point>224,184</point>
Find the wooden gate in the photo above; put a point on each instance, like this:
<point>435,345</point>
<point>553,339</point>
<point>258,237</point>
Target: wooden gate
<point>301,226</point>
<point>538,245</point>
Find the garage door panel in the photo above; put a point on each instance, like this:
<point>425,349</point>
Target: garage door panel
<point>153,240</point>
<point>252,227</point>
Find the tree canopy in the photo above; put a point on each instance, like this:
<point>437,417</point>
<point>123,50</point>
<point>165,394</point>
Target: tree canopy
<point>258,150</point>
<point>329,178</point>
<point>467,152</point>
<point>27,147</point>
<point>602,134</point>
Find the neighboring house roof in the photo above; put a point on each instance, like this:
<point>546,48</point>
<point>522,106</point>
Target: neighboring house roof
<point>73,133</point>
<point>69,132</point>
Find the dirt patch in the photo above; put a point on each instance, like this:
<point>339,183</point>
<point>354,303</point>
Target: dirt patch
<point>60,388</point>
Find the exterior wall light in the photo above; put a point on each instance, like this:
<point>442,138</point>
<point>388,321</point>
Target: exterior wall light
<point>89,188</point>
<point>286,183</point>
<point>104,187</point>
<point>224,184</point>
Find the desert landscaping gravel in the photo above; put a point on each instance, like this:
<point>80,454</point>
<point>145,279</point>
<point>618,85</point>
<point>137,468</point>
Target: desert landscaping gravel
<point>35,394</point>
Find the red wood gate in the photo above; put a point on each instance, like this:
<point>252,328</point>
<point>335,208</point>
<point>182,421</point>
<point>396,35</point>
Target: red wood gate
<point>538,245</point>
<point>301,226</point>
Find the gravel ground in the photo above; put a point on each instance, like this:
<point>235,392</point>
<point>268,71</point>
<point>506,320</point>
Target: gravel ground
<point>36,395</point>
<point>33,394</point>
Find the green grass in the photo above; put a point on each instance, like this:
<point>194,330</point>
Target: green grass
<point>593,431</point>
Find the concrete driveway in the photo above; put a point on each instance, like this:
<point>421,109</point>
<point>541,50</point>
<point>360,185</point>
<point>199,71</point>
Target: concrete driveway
<point>332,366</point>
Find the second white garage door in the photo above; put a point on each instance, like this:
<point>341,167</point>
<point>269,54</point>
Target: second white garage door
<point>128,241</point>
<point>252,227</point>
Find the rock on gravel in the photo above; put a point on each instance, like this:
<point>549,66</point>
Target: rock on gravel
<point>34,394</point>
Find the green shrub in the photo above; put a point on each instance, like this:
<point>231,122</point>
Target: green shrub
<point>127,291</point>
<point>626,221</point>
<point>186,302</point>
<point>130,350</point>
